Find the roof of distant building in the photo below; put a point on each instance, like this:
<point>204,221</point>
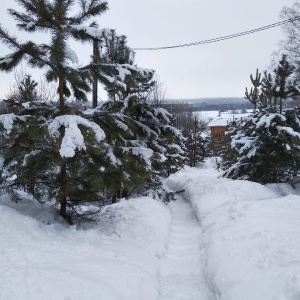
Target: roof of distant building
<point>226,118</point>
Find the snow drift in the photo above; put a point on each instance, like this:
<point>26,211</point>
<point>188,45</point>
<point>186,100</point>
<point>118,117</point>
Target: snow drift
<point>116,259</point>
<point>251,236</point>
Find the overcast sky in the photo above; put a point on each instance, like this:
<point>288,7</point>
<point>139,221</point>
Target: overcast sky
<point>214,70</point>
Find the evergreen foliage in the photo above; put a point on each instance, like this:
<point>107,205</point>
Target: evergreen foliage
<point>196,141</point>
<point>265,146</point>
<point>282,85</point>
<point>69,154</point>
<point>254,94</point>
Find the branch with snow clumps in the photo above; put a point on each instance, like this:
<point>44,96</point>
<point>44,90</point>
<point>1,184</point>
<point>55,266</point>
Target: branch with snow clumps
<point>73,138</point>
<point>7,121</point>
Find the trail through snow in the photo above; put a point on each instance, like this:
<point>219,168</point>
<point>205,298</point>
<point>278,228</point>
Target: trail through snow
<point>181,271</point>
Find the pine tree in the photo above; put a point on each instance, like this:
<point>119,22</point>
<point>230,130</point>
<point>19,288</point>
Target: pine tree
<point>281,85</point>
<point>27,89</point>
<point>113,148</point>
<point>54,18</point>
<point>34,150</point>
<point>264,147</point>
<point>158,144</point>
<point>196,141</point>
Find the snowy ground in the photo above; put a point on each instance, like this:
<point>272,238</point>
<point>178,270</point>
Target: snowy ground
<point>117,259</point>
<point>251,235</point>
<point>222,239</point>
<point>182,272</point>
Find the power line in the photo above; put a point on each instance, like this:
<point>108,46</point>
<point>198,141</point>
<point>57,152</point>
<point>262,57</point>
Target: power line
<point>223,38</point>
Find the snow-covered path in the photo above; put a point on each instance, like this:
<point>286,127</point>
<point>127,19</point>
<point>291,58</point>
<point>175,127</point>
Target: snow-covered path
<point>181,272</point>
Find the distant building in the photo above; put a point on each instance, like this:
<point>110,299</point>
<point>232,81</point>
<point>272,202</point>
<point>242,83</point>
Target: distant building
<point>220,124</point>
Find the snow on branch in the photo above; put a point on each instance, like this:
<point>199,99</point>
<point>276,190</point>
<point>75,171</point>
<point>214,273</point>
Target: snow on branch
<point>113,80</point>
<point>146,129</point>
<point>6,60</point>
<point>164,113</point>
<point>266,120</point>
<point>127,69</point>
<point>94,32</point>
<point>142,152</point>
<point>8,120</point>
<point>110,154</point>
<point>71,55</point>
<point>73,138</point>
<point>141,71</point>
<point>289,131</point>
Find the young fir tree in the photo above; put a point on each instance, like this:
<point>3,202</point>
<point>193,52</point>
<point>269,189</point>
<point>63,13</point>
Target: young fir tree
<point>163,145</point>
<point>151,144</point>
<point>265,146</point>
<point>54,18</point>
<point>281,85</point>
<point>196,141</point>
<point>27,89</point>
<point>125,167</point>
<point>33,153</point>
<point>81,159</point>
<point>254,94</point>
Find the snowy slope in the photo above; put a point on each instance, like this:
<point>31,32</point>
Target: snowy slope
<point>251,236</point>
<point>245,245</point>
<point>117,259</point>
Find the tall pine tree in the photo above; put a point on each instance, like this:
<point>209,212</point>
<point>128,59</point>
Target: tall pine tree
<point>54,18</point>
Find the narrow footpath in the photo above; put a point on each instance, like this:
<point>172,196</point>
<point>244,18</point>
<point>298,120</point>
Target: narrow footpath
<point>181,270</point>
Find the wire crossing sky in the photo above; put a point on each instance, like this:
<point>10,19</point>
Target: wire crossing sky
<point>223,38</point>
<point>216,70</point>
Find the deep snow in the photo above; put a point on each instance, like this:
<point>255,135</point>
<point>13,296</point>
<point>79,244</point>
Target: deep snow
<point>117,259</point>
<point>181,272</point>
<point>243,245</point>
<point>251,235</point>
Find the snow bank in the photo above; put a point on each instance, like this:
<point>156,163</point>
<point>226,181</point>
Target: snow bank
<point>251,236</point>
<point>116,259</point>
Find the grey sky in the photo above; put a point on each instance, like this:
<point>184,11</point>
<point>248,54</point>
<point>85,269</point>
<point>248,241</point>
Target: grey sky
<point>219,69</point>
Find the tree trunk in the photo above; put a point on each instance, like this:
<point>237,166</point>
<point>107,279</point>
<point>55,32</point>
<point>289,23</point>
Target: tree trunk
<point>124,193</point>
<point>96,59</point>
<point>63,165</point>
<point>63,196</point>
<point>61,95</point>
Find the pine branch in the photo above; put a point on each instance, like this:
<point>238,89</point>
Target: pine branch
<point>94,8</point>
<point>36,53</point>
<point>7,39</point>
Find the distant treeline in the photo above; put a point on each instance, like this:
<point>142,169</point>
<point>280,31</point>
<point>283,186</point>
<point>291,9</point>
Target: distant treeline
<point>204,106</point>
<point>221,104</point>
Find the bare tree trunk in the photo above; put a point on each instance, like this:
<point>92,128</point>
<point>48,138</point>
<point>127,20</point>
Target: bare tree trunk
<point>63,196</point>
<point>63,165</point>
<point>96,59</point>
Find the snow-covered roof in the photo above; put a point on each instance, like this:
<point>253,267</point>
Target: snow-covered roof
<point>224,119</point>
